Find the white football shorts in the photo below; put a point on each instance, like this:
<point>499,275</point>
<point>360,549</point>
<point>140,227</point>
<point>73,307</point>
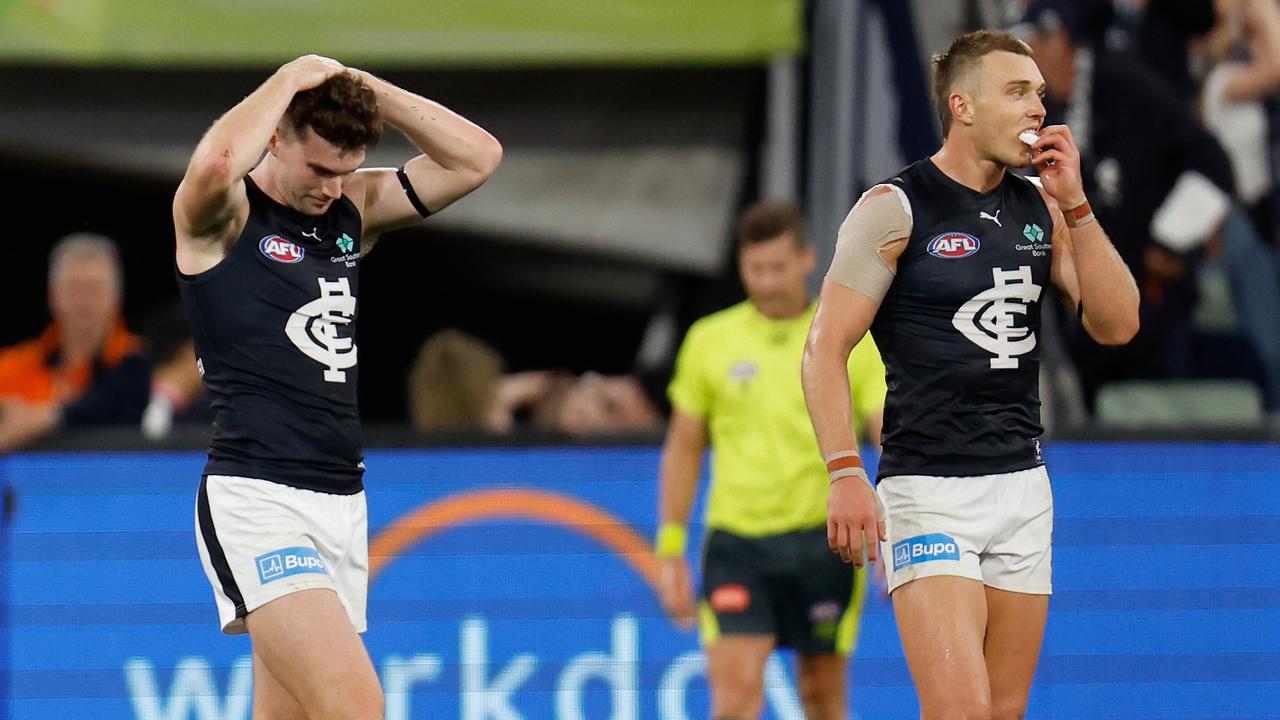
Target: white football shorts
<point>996,529</point>
<point>260,540</point>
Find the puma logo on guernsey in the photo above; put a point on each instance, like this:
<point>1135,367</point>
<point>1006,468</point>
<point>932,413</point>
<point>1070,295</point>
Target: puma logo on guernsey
<point>993,218</point>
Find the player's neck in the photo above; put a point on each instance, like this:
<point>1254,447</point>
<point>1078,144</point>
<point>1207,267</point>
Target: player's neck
<point>782,309</point>
<point>267,182</point>
<point>959,161</point>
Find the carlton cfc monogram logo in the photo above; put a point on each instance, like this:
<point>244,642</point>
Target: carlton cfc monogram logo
<point>988,319</point>
<point>313,329</point>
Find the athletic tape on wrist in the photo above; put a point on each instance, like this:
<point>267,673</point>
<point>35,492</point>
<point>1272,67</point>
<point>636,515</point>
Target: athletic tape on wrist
<point>1081,214</point>
<point>847,472</point>
<point>843,464</point>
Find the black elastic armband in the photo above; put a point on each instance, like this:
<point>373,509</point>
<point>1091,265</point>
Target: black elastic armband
<point>413,196</point>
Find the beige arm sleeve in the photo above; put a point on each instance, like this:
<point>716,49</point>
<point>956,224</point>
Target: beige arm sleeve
<point>871,239</point>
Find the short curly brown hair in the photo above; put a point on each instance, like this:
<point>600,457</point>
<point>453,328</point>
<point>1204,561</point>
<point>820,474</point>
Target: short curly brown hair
<point>343,110</point>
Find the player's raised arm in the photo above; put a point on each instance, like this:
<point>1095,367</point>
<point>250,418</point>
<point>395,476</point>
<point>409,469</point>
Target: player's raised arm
<point>211,193</point>
<point>457,157</point>
<point>1086,265</point>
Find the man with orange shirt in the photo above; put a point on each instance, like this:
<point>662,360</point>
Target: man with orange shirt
<point>86,367</point>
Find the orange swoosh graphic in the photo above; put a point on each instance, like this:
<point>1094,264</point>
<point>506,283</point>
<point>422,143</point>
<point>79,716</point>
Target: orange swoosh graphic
<point>563,510</point>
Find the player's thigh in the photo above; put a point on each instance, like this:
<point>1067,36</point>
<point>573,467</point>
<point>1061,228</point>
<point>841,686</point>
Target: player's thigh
<point>310,647</point>
<point>1015,631</point>
<point>942,621</point>
<point>735,672</point>
<point>821,680</point>
<point>271,700</point>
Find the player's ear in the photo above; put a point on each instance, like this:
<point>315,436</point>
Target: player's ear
<point>274,142</point>
<point>961,108</point>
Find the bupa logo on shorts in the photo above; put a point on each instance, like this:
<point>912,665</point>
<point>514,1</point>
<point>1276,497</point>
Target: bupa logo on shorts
<point>288,561</point>
<point>953,245</point>
<point>923,548</point>
<point>280,250</point>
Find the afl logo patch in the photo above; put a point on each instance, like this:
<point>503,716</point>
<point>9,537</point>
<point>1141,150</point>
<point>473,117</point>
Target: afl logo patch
<point>953,245</point>
<point>280,250</point>
<point>744,371</point>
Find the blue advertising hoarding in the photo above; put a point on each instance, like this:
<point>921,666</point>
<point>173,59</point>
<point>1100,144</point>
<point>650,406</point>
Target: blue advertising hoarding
<point>518,583</point>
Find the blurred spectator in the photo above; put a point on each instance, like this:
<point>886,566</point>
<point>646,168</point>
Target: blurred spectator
<point>1157,33</point>
<point>177,389</point>
<point>1158,181</point>
<point>459,382</point>
<point>1243,57</point>
<point>86,368</point>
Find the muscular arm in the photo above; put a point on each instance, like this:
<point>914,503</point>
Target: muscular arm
<point>871,240</point>
<point>842,318</point>
<point>211,198</point>
<point>1089,271</point>
<point>457,157</point>
<point>1085,265</point>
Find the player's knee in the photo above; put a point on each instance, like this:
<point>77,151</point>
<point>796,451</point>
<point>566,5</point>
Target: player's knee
<point>1011,709</point>
<point>964,709</point>
<point>367,704</point>
<point>822,697</point>
<point>737,700</point>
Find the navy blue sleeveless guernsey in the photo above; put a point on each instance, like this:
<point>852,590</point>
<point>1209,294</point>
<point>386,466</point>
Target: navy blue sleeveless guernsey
<point>958,329</point>
<point>274,329</point>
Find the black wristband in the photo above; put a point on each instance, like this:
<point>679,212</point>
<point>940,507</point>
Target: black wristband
<point>413,196</point>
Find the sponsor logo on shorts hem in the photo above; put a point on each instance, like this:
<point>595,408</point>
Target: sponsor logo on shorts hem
<point>288,561</point>
<point>924,548</point>
<point>731,599</point>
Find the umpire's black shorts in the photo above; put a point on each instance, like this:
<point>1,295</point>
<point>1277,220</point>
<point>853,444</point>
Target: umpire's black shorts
<point>789,586</point>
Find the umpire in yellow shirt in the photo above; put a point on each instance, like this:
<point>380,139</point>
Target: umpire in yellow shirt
<point>769,577</point>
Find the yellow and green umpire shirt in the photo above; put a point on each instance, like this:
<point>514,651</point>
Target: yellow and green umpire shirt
<point>739,372</point>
